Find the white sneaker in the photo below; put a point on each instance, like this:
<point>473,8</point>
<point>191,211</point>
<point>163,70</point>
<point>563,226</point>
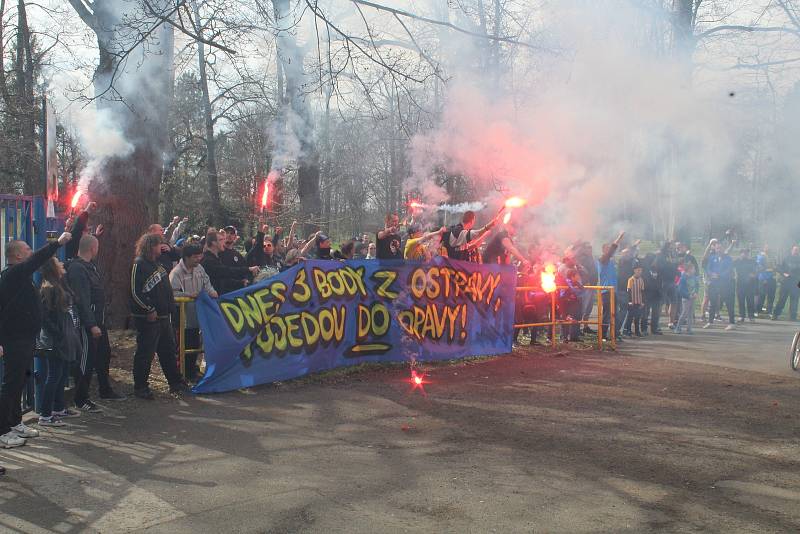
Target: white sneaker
<point>25,431</point>
<point>10,440</point>
<point>707,325</point>
<point>730,327</point>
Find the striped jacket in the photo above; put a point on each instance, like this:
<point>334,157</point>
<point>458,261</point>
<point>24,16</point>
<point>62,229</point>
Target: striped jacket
<point>150,289</point>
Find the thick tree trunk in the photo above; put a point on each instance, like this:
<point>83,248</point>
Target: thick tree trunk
<point>298,122</point>
<point>26,108</point>
<point>127,186</point>
<point>212,175</point>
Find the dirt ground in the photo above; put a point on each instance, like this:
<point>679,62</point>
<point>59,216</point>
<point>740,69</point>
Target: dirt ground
<point>529,442</point>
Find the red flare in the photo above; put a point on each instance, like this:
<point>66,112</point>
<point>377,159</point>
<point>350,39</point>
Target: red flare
<point>507,218</point>
<point>75,198</point>
<point>515,202</point>
<point>265,195</point>
<point>417,381</point>
<point>416,205</point>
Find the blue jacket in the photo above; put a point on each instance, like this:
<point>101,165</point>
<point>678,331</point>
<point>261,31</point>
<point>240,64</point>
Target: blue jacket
<point>720,265</point>
<point>765,269</point>
<point>688,285</point>
<point>607,274</point>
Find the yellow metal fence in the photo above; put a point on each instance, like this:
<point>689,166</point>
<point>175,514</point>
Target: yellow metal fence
<point>182,350</point>
<point>554,322</point>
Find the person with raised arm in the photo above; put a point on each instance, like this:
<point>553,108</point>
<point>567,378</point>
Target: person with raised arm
<point>20,324</point>
<point>607,276</point>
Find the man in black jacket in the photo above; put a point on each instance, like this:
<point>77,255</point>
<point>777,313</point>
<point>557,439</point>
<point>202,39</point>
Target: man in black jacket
<point>151,306</point>
<point>230,257</point>
<point>21,320</point>
<point>90,301</point>
<point>788,276</point>
<point>223,277</point>
<point>263,253</point>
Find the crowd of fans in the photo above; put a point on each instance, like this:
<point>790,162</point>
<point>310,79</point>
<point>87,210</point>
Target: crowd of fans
<point>63,322</point>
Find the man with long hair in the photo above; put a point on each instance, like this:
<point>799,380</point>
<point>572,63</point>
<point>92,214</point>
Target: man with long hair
<point>151,306</point>
<point>20,323</point>
<point>59,342</point>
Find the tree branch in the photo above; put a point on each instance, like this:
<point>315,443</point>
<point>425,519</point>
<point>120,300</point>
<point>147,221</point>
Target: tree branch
<point>85,13</point>
<point>400,12</point>
<point>181,28</point>
<point>737,28</point>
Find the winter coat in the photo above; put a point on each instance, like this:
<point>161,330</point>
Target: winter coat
<point>59,335</point>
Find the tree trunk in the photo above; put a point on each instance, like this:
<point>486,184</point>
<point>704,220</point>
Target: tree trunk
<point>298,122</point>
<point>26,109</point>
<point>212,176</point>
<point>126,188</point>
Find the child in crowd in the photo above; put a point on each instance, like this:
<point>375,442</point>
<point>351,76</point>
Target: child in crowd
<point>688,286</point>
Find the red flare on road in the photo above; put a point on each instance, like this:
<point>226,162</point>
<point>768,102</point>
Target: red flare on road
<point>417,381</point>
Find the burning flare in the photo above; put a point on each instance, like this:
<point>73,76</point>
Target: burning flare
<point>416,205</point>
<point>75,198</point>
<point>265,195</point>
<point>417,381</point>
<point>549,278</point>
<point>515,202</point>
<point>507,218</point>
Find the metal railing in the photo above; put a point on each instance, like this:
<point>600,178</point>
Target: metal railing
<point>182,350</point>
<point>554,322</point>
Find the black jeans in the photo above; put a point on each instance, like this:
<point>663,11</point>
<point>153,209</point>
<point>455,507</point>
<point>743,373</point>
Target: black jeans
<point>156,337</point>
<point>621,301</point>
<point>720,293</point>
<point>651,314</point>
<point>675,308</point>
<point>634,318</point>
<point>791,292</point>
<point>747,298</point>
<point>193,341</point>
<point>573,310</point>
<point>95,356</point>
<point>17,360</point>
<point>766,295</point>
<point>53,391</point>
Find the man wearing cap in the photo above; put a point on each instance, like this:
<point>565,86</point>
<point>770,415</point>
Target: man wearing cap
<point>230,257</point>
<point>318,247</point>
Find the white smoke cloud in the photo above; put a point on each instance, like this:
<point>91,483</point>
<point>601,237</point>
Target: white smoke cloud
<point>611,128</point>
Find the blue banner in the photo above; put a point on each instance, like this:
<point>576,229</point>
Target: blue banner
<point>320,315</point>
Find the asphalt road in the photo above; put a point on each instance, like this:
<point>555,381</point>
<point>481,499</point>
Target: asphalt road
<point>761,346</point>
<point>528,442</point>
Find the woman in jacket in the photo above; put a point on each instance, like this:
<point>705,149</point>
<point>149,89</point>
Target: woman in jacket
<point>59,341</point>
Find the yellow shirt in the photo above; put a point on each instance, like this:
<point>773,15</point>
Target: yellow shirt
<point>415,250</point>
